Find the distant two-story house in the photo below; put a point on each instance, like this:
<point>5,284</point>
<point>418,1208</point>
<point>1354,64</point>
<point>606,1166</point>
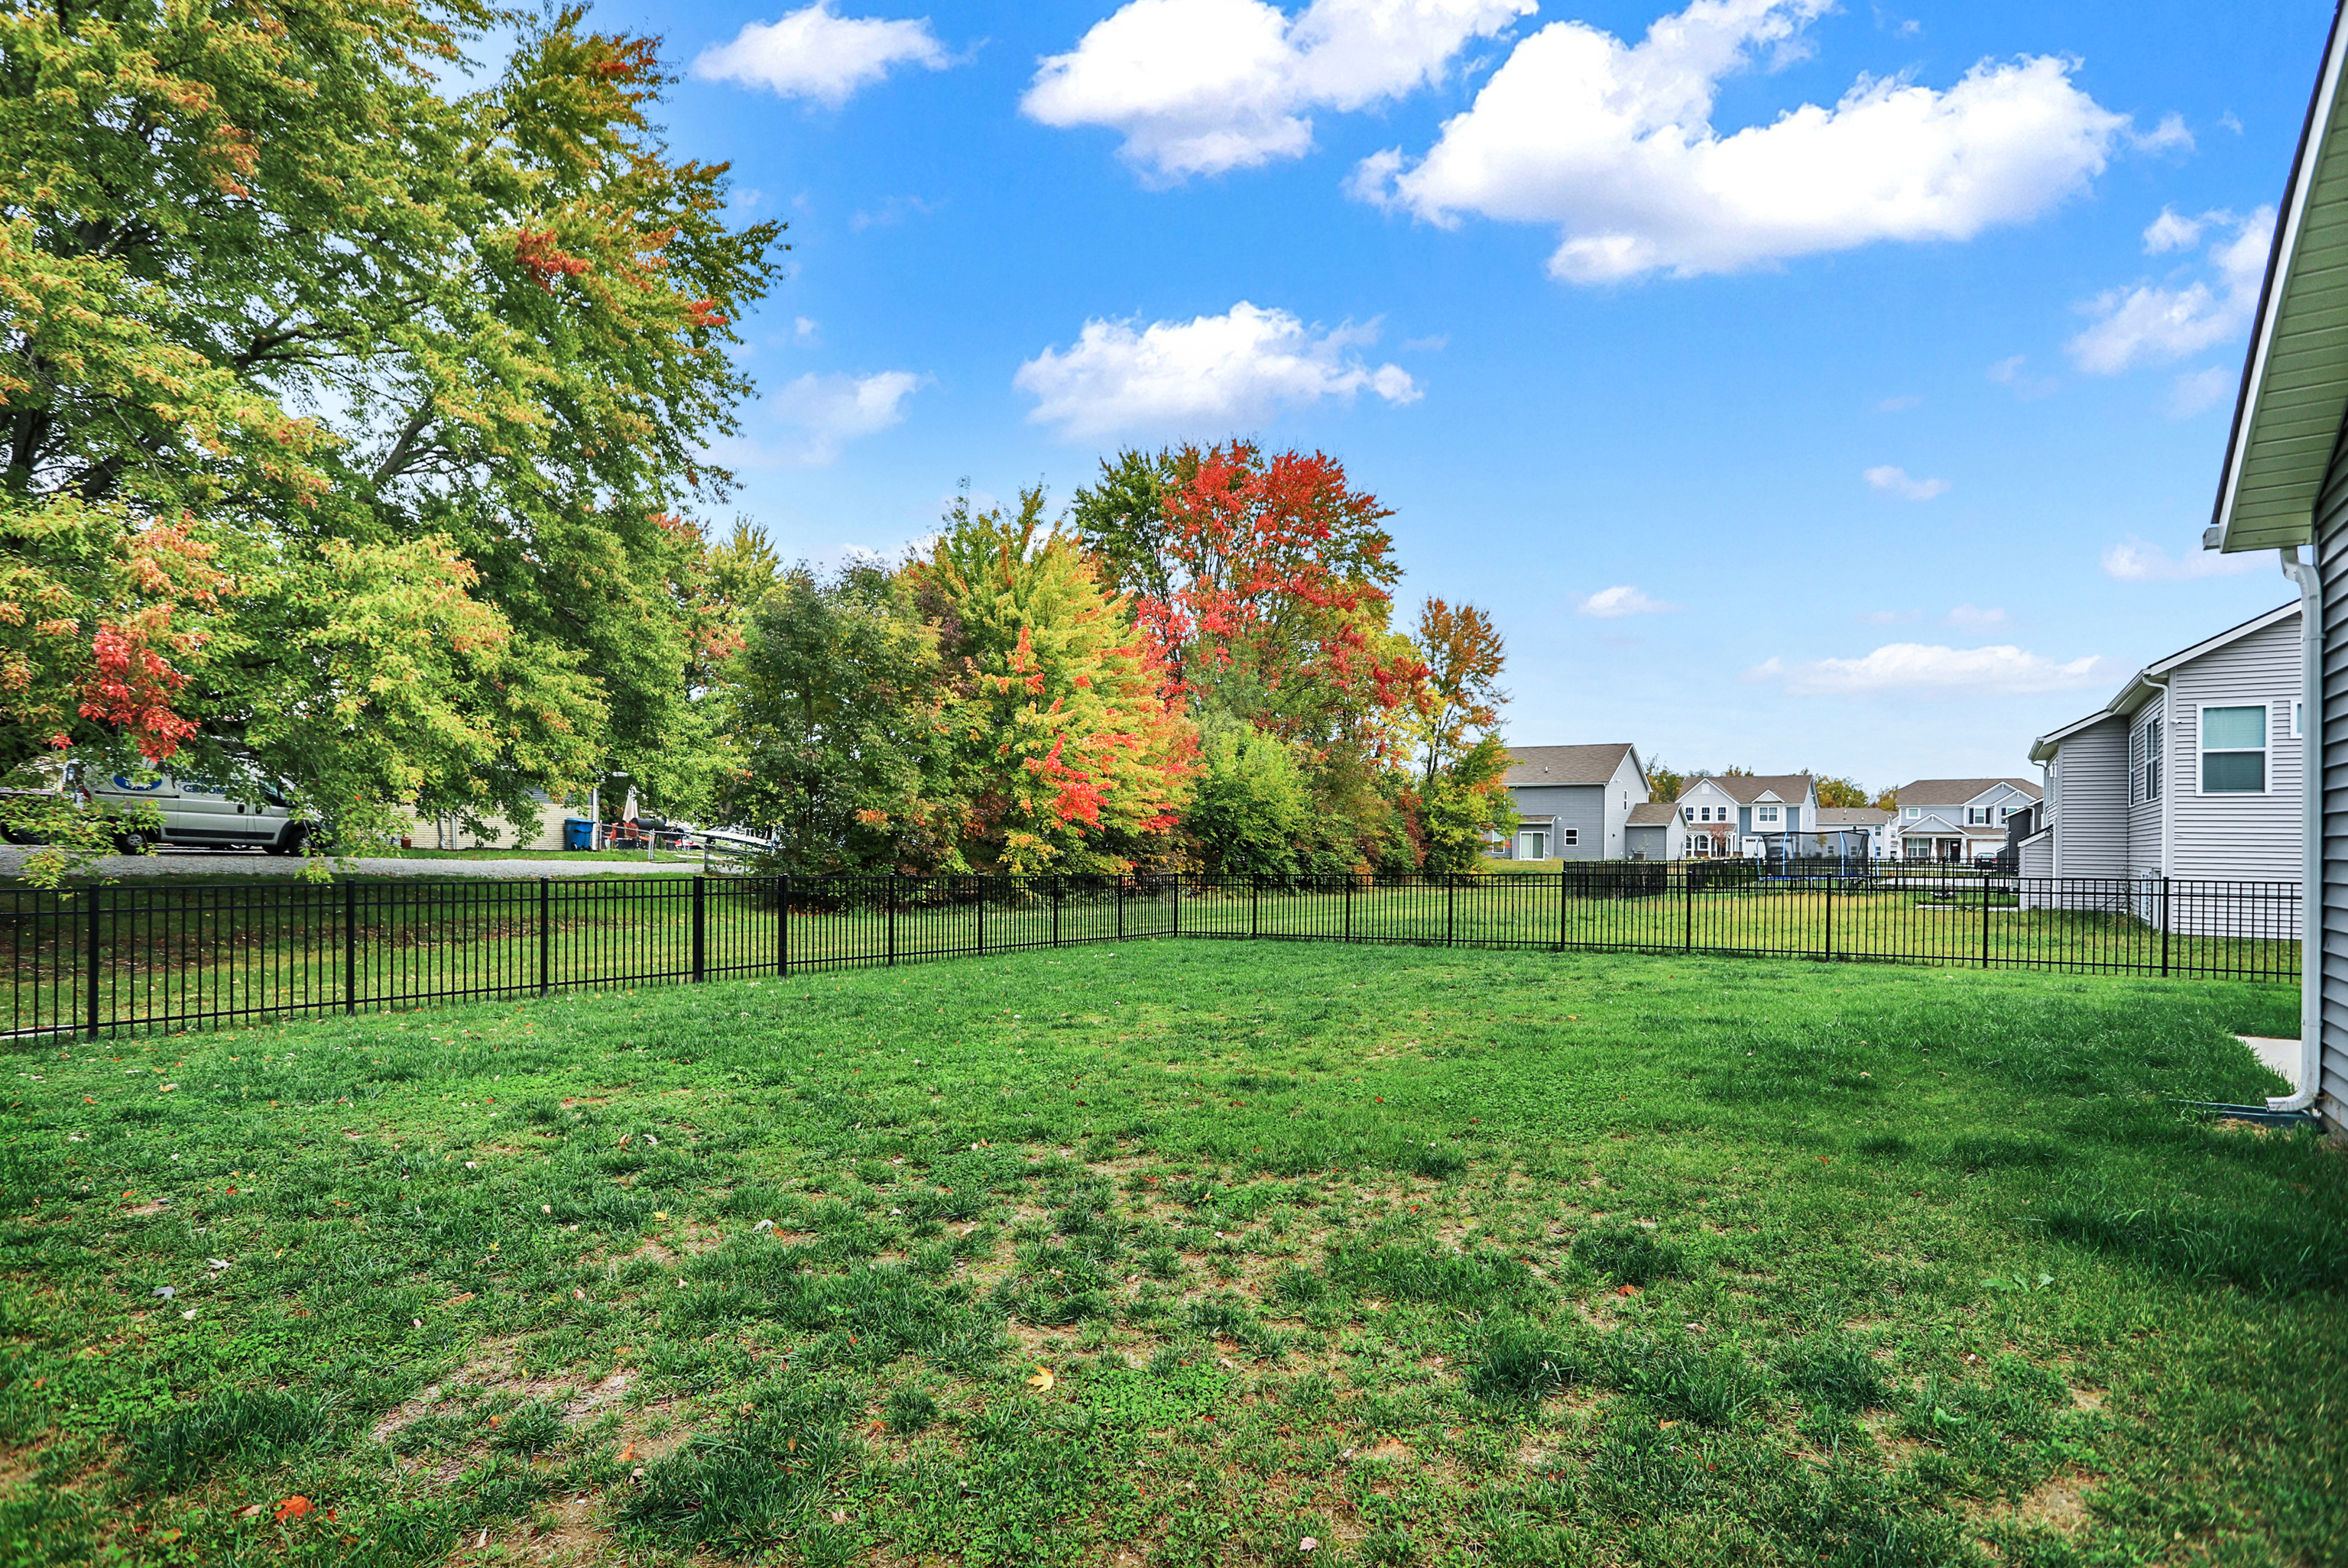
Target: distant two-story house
<point>1957,819</point>
<point>1573,803</point>
<point>1721,813</point>
<point>2191,771</point>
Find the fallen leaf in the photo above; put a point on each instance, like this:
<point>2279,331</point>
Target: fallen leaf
<point>1043,1381</point>
<point>577,1294</point>
<point>293,1508</point>
<point>1308,1544</point>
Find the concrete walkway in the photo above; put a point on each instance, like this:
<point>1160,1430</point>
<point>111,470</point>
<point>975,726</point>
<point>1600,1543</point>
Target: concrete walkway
<point>2280,1056</point>
<point>237,862</point>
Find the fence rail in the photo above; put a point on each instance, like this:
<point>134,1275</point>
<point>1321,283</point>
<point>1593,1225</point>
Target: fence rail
<point>100,959</point>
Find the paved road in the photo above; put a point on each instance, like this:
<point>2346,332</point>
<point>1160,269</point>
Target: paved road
<point>232,863</point>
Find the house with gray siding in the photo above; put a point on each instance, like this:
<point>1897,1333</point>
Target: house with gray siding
<point>1720,815</point>
<point>1655,832</point>
<point>1573,803</point>
<point>2192,771</point>
<point>1957,820</point>
<point>2284,487</point>
<point>1855,832</point>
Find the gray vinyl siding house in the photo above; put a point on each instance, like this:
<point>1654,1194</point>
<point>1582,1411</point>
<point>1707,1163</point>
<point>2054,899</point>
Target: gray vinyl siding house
<point>1655,832</point>
<point>2284,487</point>
<point>2192,771</point>
<point>1573,803</point>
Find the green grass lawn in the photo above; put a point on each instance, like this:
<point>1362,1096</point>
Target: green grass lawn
<point>1184,1253</point>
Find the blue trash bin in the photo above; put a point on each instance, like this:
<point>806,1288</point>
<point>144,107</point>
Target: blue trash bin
<point>578,833</point>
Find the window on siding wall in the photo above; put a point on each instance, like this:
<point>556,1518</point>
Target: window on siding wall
<point>2144,760</point>
<point>2298,716</point>
<point>1768,814</point>
<point>1574,835</point>
<point>2234,750</point>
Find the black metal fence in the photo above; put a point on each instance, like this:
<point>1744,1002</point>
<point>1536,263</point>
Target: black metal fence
<point>93,960</point>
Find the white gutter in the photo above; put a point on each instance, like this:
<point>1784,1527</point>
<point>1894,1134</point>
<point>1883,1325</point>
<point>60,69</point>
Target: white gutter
<point>2310,873</point>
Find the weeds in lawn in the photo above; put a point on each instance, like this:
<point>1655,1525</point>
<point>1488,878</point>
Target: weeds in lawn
<point>1186,1254</point>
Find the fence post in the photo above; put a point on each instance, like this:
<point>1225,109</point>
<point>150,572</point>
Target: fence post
<point>1120,905</point>
<point>981,881</point>
<point>350,948</point>
<point>783,925</point>
<point>699,924</point>
<point>545,939</point>
<point>1177,903</point>
<point>2164,924</point>
<point>1829,918</point>
<point>1560,910</point>
<point>1451,911</point>
<point>1350,879</point>
<point>1985,893</point>
<point>1059,887</point>
<point>888,898</point>
<point>1255,905</point>
<point>1687,882</point>
<point>90,956</point>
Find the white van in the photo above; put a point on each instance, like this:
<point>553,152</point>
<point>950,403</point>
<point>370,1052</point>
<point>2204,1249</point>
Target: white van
<point>195,812</point>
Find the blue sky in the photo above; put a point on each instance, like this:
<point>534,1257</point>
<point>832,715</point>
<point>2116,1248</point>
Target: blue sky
<point>1838,387</point>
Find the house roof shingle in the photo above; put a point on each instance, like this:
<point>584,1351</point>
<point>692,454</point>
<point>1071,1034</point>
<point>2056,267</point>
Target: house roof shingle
<point>1565,764</point>
<point>1653,813</point>
<point>1831,816</point>
<point>1957,792</point>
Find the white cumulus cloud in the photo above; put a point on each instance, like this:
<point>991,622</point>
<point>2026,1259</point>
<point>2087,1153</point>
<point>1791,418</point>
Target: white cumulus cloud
<point>816,52</point>
<point>833,410</point>
<point>1203,376</point>
<point>1612,142</point>
<point>1613,603</point>
<point>1200,86</point>
<point>1997,671</point>
<point>1895,481</point>
<point>2133,560</point>
<point>2158,322</point>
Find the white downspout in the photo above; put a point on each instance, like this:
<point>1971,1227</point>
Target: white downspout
<point>2310,873</point>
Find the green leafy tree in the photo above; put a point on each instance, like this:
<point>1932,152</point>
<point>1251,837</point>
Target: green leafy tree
<point>1253,810</point>
<point>1838,792</point>
<point>1457,814</point>
<point>410,368</point>
<point>1071,751</point>
<point>835,723</point>
<point>1665,782</point>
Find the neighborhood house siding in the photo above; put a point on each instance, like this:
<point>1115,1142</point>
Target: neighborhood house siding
<point>2332,560</point>
<point>2093,789</point>
<point>1581,807</point>
<point>2253,837</point>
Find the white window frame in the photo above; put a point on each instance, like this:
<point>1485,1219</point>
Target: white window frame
<point>2297,717</point>
<point>2201,750</point>
<point>1572,838</point>
<point>1768,814</point>
<point>1914,811</point>
<point>2147,756</point>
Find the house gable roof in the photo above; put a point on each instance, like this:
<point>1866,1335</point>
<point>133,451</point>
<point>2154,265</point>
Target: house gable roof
<point>2146,683</point>
<point>1569,764</point>
<point>1959,792</point>
<point>1852,817</point>
<point>1932,822</point>
<point>1653,813</point>
<point>2294,390</point>
<point>1746,788</point>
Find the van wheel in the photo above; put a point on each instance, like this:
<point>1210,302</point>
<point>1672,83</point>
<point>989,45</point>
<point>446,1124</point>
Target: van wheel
<point>132,842</point>
<point>290,842</point>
